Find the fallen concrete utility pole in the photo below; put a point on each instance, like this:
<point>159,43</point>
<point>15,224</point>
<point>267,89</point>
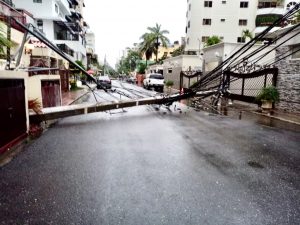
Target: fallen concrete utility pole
<point>73,110</point>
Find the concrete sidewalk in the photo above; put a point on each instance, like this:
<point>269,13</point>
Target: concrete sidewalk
<point>70,96</point>
<point>290,117</point>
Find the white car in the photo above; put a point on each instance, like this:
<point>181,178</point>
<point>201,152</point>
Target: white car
<point>154,80</point>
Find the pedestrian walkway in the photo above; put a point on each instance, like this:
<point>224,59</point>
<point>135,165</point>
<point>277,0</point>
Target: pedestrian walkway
<point>291,117</point>
<point>70,96</point>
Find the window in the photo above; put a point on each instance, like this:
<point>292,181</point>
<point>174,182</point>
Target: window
<point>241,40</point>
<point>208,4</point>
<point>188,40</point>
<point>222,20</point>
<point>243,4</point>
<point>223,2</point>
<point>190,6</point>
<point>204,39</point>
<point>206,21</point>
<point>189,24</point>
<point>40,24</point>
<point>242,22</point>
<point>170,70</point>
<point>37,1</point>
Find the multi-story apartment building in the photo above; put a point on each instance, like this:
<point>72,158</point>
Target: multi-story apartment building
<point>62,22</point>
<point>226,19</point>
<point>270,10</point>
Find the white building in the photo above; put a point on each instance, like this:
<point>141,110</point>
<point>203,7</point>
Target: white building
<point>225,19</point>
<point>269,11</point>
<point>61,21</point>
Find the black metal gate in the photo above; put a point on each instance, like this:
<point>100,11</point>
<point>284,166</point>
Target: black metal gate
<point>186,76</point>
<point>12,111</point>
<point>246,86</point>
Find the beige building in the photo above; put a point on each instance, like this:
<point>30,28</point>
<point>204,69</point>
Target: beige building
<point>164,52</point>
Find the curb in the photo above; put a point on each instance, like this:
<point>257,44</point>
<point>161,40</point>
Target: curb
<point>275,117</point>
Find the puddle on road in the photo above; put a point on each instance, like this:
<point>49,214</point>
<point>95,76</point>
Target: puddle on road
<point>263,120</point>
<point>245,115</point>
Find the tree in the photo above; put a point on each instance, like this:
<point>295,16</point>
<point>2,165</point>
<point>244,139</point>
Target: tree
<point>152,40</point>
<point>4,42</point>
<point>247,34</point>
<point>213,40</point>
<point>159,35</point>
<point>147,46</point>
<point>297,17</point>
<point>129,63</point>
<point>178,51</point>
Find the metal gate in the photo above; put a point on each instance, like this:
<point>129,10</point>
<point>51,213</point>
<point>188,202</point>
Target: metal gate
<point>246,86</point>
<point>12,111</point>
<point>51,93</point>
<point>186,77</point>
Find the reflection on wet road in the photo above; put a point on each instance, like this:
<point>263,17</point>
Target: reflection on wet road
<point>154,165</point>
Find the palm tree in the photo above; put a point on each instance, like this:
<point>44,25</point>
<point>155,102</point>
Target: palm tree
<point>159,35</point>
<point>4,42</point>
<point>147,46</point>
<point>153,39</point>
<point>247,34</point>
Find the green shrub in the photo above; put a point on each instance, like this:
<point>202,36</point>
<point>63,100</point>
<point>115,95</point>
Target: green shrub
<point>169,83</point>
<point>269,93</point>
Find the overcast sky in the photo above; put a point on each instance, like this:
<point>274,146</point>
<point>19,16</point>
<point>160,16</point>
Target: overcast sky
<point>118,24</point>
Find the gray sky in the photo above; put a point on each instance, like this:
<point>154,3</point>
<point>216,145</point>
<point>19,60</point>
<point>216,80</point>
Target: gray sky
<point>118,24</point>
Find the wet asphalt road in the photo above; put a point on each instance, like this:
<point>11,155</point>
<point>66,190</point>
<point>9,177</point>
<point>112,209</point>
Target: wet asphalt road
<point>149,166</point>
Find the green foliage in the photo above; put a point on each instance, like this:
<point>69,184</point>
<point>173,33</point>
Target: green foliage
<point>152,40</point>
<point>269,93</point>
<point>169,83</point>
<point>247,34</point>
<point>297,17</point>
<point>129,63</point>
<point>178,51</point>
<point>141,68</point>
<point>213,40</point>
<point>4,42</point>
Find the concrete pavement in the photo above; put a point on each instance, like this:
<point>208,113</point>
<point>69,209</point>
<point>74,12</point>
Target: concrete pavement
<point>149,166</point>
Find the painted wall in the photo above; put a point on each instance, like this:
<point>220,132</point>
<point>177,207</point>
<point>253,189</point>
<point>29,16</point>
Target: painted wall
<point>215,54</point>
<point>34,82</point>
<point>44,10</point>
<point>229,29</point>
<point>173,66</point>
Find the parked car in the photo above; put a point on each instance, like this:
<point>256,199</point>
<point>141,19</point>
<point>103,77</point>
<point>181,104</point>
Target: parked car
<point>103,82</point>
<point>154,80</point>
<point>131,80</point>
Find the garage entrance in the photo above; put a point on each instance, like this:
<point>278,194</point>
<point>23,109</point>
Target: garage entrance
<point>12,111</point>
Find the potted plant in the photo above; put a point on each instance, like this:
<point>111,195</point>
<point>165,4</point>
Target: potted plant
<point>169,84</point>
<point>268,96</point>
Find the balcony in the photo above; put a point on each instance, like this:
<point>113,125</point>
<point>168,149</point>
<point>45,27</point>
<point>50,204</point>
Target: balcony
<point>66,49</point>
<point>270,11</point>
<point>6,12</point>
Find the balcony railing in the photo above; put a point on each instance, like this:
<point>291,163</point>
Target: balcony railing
<point>66,49</point>
<point>7,12</point>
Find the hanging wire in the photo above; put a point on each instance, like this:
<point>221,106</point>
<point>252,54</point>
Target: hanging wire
<point>292,53</point>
